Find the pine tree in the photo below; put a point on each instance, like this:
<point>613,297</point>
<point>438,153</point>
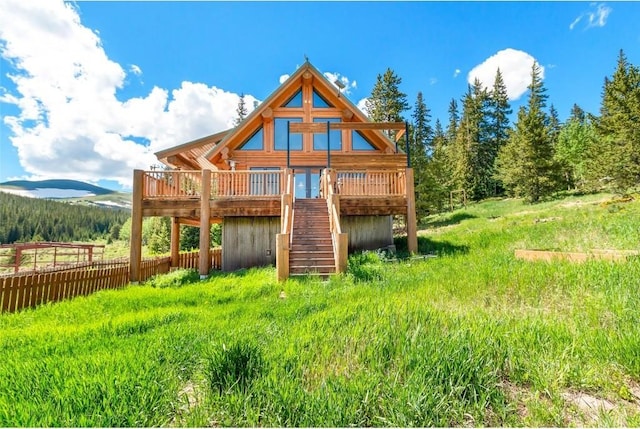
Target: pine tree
<point>159,237</point>
<point>438,170</point>
<point>525,164</point>
<point>454,120</point>
<point>499,111</point>
<point>470,152</point>
<point>577,114</point>
<point>241,111</point>
<point>387,102</point>
<point>421,150</point>
<point>554,125</point>
<point>575,139</point>
<point>616,159</point>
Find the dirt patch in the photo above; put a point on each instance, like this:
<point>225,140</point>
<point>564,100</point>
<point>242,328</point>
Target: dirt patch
<point>580,203</point>
<point>517,394</point>
<point>587,403</point>
<point>189,393</point>
<point>585,409</point>
<point>190,396</point>
<point>546,219</point>
<point>634,388</point>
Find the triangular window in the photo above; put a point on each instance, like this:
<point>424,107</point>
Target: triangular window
<point>360,142</point>
<point>295,100</point>
<point>255,142</point>
<point>320,101</point>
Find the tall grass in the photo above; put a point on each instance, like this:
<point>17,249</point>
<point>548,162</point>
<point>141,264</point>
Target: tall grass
<point>472,337</point>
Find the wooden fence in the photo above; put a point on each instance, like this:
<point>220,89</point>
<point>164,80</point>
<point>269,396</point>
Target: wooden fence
<point>32,289</point>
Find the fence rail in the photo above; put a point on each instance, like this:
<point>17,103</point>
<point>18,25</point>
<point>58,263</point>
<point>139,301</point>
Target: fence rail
<point>32,289</point>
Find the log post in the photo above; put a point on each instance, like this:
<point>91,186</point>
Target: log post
<point>135,246</point>
<point>205,212</point>
<point>343,252</point>
<point>412,225</point>
<point>282,256</point>
<point>175,242</point>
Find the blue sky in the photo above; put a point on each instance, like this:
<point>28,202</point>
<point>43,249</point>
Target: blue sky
<point>90,90</point>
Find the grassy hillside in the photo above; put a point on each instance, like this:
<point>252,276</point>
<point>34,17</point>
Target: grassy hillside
<point>472,337</point>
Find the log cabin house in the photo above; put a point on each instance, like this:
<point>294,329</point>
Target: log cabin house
<point>300,182</point>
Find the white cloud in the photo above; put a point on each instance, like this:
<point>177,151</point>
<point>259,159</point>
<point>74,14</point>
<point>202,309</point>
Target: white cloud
<point>596,16</point>
<point>433,81</point>
<point>456,73</point>
<point>70,123</point>
<point>515,67</point>
<point>347,84</point>
<point>283,78</point>
<point>135,70</point>
<point>362,105</point>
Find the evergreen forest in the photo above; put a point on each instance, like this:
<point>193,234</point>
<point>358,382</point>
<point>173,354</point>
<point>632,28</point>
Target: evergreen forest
<point>480,153</point>
<point>25,219</point>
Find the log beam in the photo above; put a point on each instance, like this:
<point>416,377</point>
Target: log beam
<point>175,241</point>
<point>205,238</point>
<point>412,224</point>
<point>135,245</point>
<point>321,127</point>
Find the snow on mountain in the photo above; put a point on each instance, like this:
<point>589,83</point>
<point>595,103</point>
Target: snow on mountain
<point>48,193</point>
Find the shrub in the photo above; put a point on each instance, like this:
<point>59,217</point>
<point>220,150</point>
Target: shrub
<point>234,367</point>
<point>175,278</point>
<point>366,266</point>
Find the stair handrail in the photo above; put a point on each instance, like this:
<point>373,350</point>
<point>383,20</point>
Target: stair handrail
<point>283,240</point>
<point>287,204</point>
<point>338,238</point>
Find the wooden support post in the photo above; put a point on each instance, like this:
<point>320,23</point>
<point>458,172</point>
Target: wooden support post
<point>135,246</point>
<point>282,256</point>
<point>343,252</point>
<point>412,224</point>
<point>18,260</point>
<point>205,213</point>
<point>175,241</point>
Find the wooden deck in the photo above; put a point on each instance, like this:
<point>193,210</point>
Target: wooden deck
<point>204,197</point>
<point>258,193</point>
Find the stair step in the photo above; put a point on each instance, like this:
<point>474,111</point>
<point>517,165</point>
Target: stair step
<point>310,248</point>
<point>311,243</point>
<point>307,250</point>
<point>322,269</point>
<point>313,233</point>
<point>311,258</point>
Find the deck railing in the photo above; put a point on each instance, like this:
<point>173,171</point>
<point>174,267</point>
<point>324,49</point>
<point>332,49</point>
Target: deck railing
<point>255,183</point>
<point>172,184</point>
<point>370,183</point>
<point>184,184</point>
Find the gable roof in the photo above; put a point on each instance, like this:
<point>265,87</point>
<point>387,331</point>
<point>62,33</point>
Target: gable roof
<point>288,88</point>
<point>203,153</point>
<point>190,155</point>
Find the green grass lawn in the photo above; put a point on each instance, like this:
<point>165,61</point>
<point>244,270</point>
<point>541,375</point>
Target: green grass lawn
<point>472,337</point>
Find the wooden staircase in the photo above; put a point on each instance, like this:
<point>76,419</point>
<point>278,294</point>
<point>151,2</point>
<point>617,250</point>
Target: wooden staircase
<point>311,249</point>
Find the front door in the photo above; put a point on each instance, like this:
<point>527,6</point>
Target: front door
<point>307,182</point>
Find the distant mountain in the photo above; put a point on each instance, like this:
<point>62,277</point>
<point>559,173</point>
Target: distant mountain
<point>72,191</point>
<point>57,184</point>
